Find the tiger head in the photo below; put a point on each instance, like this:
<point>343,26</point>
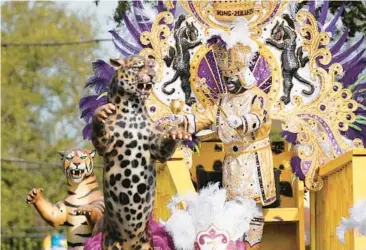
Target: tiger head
<point>77,164</point>
<point>134,75</point>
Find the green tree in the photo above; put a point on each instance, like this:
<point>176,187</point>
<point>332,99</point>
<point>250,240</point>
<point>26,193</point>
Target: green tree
<point>41,87</point>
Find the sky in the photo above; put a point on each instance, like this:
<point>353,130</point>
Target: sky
<point>103,14</point>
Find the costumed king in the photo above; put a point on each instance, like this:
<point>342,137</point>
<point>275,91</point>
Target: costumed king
<point>241,118</point>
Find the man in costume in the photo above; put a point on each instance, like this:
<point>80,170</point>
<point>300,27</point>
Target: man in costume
<point>242,121</point>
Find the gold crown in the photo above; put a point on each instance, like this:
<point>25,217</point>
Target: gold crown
<point>231,61</point>
<point>230,10</point>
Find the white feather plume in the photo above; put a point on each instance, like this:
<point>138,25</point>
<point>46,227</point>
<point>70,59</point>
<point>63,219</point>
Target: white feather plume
<point>208,208</point>
<point>180,227</point>
<point>236,216</point>
<point>357,221</point>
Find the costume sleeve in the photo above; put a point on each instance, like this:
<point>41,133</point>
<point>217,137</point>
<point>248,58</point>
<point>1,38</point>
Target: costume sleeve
<point>201,121</point>
<point>257,116</point>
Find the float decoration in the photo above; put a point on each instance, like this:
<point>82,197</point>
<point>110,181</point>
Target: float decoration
<point>323,124</point>
<point>210,221</point>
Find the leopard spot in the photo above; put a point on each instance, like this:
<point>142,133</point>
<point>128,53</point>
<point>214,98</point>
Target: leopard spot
<point>124,199</point>
<point>135,163</point>
<point>127,172</point>
<point>141,188</point>
<point>136,198</point>
<point>135,179</point>
<point>126,183</point>
<point>124,163</point>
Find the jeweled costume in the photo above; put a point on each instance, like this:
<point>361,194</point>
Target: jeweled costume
<point>248,166</point>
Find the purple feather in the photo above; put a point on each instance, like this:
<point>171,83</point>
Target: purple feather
<point>103,69</point>
<point>94,243</point>
<point>87,131</point>
<point>122,51</point>
<point>332,26</point>
<point>161,238</point>
<point>89,104</point>
<point>175,7</point>
<point>351,75</point>
<point>312,7</point>
<point>361,87</point>
<point>338,45</point>
<point>289,136</point>
<point>132,29</point>
<point>353,134</point>
<point>160,6</point>
<point>132,49</point>
<point>141,20</point>
<point>92,101</point>
<point>296,167</point>
<point>323,13</point>
<point>98,83</point>
<point>352,62</point>
<point>103,74</point>
<point>347,52</point>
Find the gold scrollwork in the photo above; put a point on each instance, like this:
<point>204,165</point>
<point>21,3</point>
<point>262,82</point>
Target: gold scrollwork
<point>329,113</point>
<point>157,38</point>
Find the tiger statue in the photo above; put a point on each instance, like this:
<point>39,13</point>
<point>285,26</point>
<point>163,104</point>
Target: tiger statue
<point>83,205</point>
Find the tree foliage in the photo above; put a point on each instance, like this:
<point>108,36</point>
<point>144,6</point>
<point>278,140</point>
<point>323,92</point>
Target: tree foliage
<point>41,87</point>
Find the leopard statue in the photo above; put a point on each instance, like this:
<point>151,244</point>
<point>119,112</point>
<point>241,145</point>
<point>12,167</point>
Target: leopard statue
<point>123,135</point>
<point>186,38</point>
<point>283,38</point>
<point>83,205</point>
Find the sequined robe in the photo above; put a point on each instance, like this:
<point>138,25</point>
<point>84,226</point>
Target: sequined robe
<point>248,164</point>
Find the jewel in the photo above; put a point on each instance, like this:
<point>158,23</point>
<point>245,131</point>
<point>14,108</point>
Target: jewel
<point>335,88</point>
<point>350,105</point>
<point>322,107</point>
<point>153,109</point>
<point>341,124</point>
<point>344,95</point>
<point>235,149</point>
<point>348,117</point>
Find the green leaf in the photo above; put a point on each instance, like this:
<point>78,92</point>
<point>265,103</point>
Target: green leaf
<point>355,127</point>
<point>360,79</point>
<point>360,117</point>
<point>361,121</point>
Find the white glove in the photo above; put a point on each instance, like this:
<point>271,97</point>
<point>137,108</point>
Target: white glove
<point>177,118</point>
<point>234,121</point>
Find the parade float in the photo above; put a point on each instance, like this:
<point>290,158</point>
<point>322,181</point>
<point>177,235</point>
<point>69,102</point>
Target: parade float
<point>304,82</point>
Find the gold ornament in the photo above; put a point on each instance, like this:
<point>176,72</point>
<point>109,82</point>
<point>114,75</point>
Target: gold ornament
<point>158,44</point>
<point>320,121</point>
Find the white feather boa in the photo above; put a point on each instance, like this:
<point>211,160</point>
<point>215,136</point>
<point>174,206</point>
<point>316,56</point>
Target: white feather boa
<point>357,220</point>
<point>205,209</point>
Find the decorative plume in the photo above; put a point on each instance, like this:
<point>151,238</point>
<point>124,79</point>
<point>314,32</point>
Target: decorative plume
<point>357,221</point>
<point>160,238</point>
<point>209,208</point>
<point>350,53</point>
<point>99,82</point>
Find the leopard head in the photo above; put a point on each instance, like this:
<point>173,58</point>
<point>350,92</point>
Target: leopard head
<point>134,75</point>
<point>77,164</point>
